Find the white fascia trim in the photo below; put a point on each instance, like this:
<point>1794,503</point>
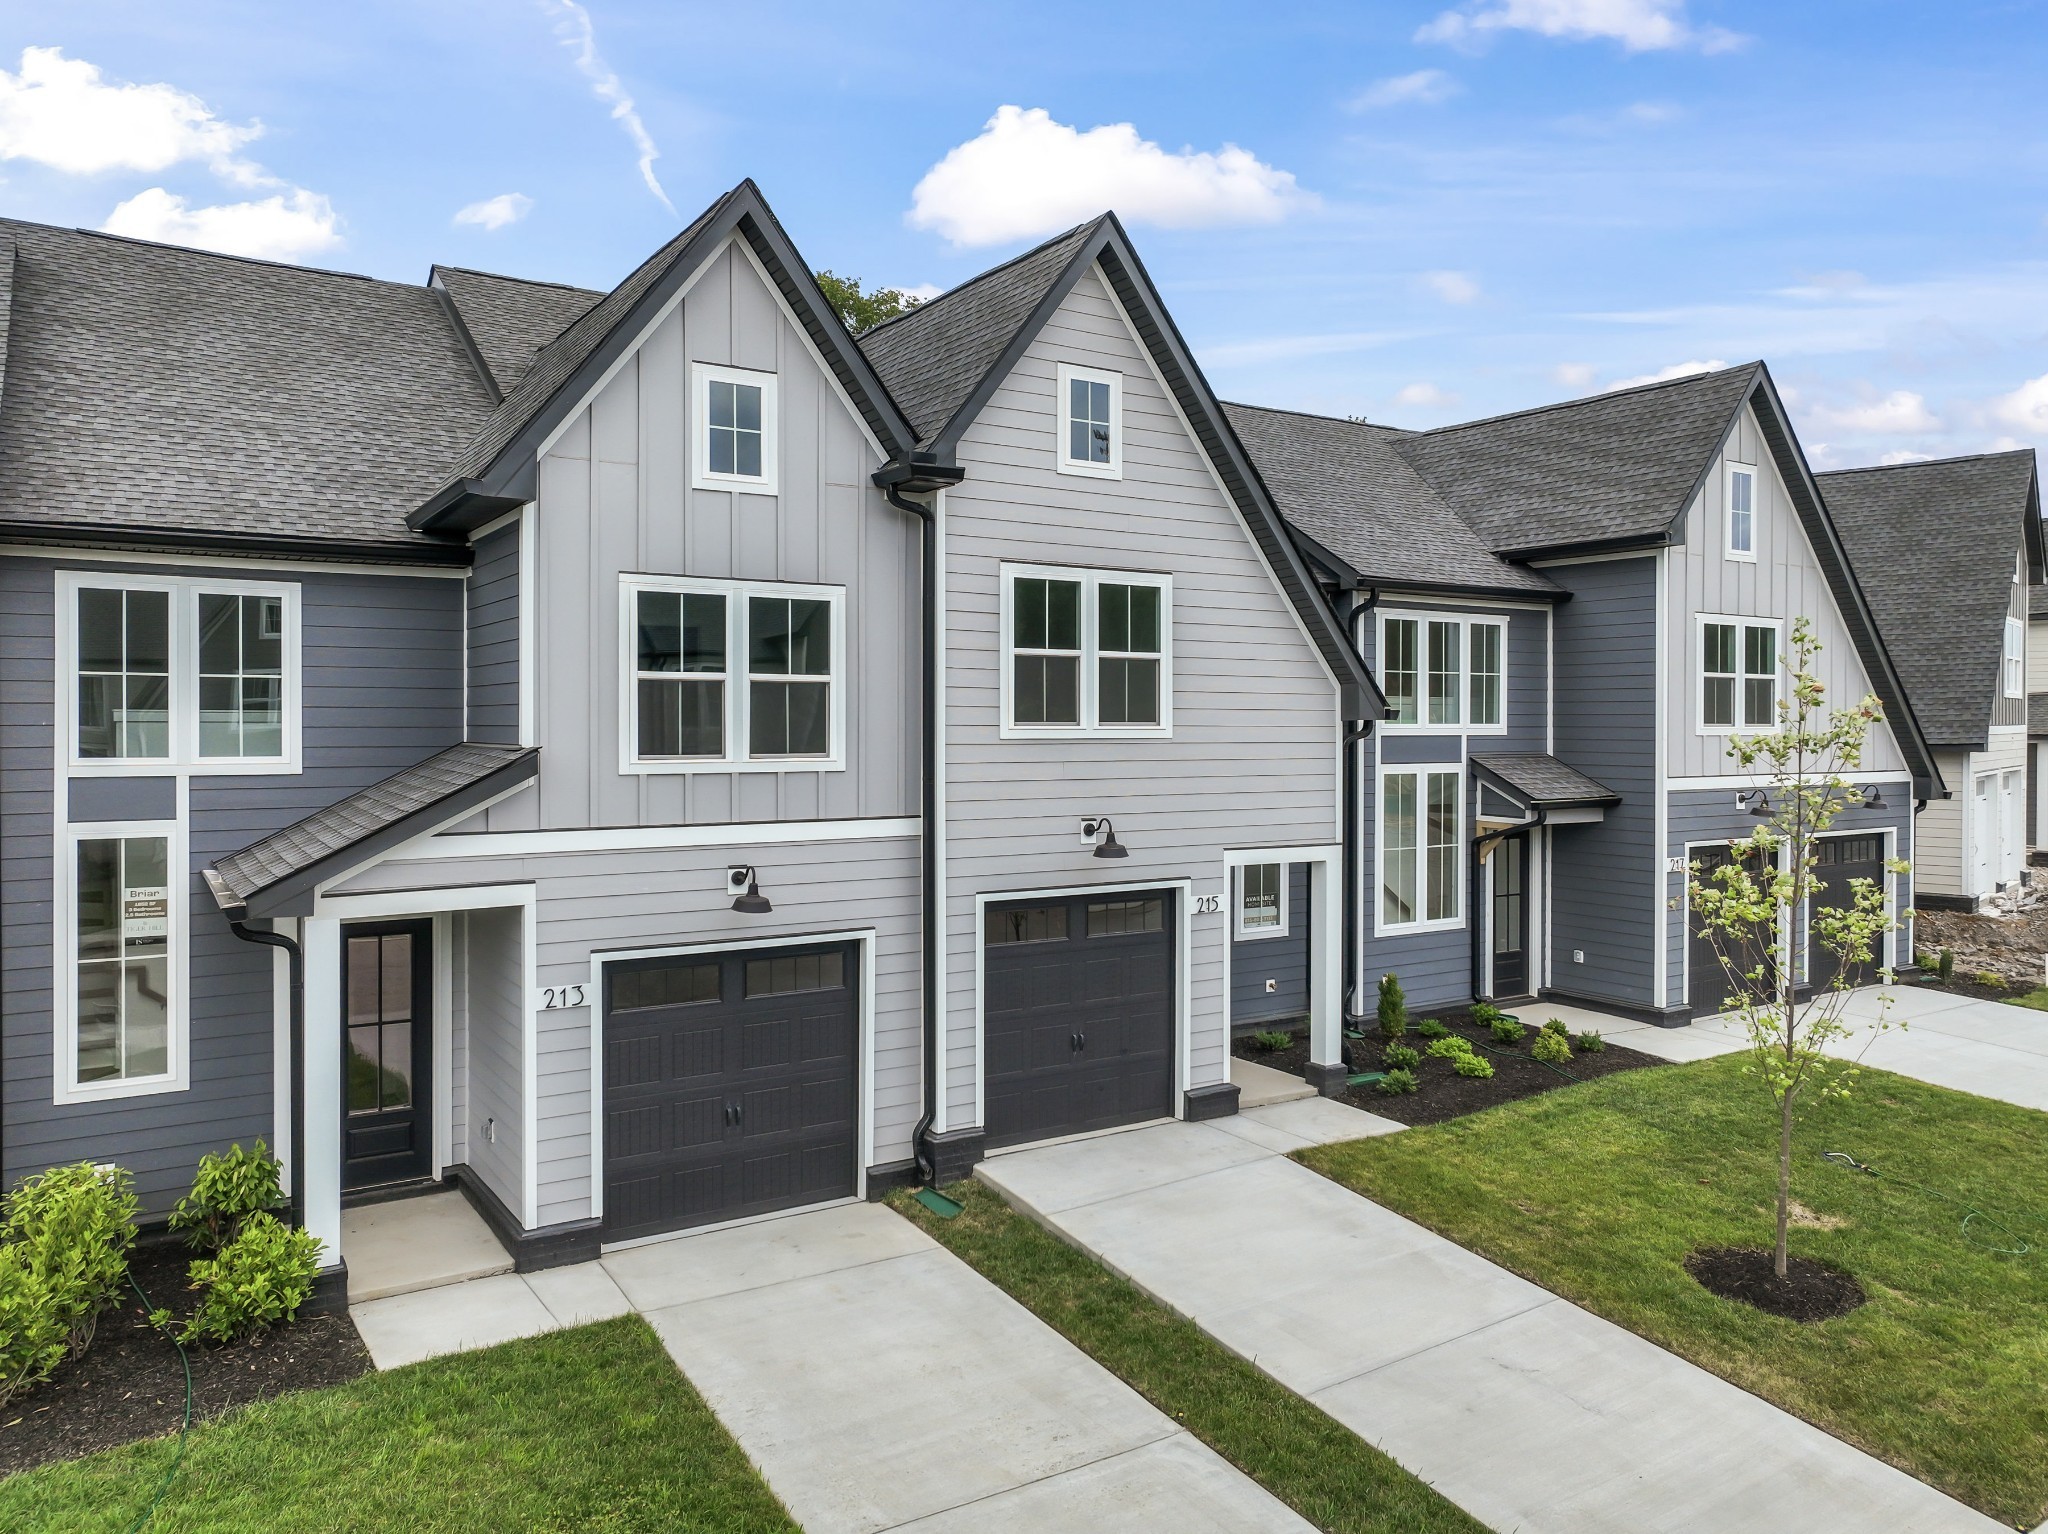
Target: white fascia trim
<point>702,476</point>
<point>1684,785</point>
<point>738,834</point>
<point>281,565</point>
<point>1090,578</point>
<point>1067,373</point>
<point>392,905</point>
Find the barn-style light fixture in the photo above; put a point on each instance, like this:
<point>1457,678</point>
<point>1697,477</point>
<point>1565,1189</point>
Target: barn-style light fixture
<point>1109,847</point>
<point>753,902</point>
<point>1871,798</point>
<point>1753,800</point>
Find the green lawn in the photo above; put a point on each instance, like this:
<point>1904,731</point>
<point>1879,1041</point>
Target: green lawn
<point>586,1429</point>
<point>2036,998</point>
<point>1598,1191</point>
<point>1307,1459</point>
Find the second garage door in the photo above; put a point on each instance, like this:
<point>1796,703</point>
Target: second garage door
<point>1078,1004</point>
<point>731,1086</point>
<point>1839,859</point>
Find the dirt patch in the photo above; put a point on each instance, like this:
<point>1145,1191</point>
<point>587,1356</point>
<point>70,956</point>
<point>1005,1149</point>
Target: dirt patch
<point>1441,1093</point>
<point>2008,946</point>
<point>1813,1219</point>
<point>1810,1291</point>
<point>129,1385</point>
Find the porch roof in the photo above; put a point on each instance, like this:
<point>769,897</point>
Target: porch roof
<point>1542,780</point>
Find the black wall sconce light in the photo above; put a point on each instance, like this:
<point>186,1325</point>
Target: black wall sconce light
<point>1109,846</point>
<point>750,901</point>
<point>1871,798</point>
<point>1754,801</point>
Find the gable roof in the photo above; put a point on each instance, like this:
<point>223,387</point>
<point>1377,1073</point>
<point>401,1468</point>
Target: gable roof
<point>1933,544</point>
<point>509,319</point>
<point>165,397</point>
<point>1604,471</point>
<point>1344,486</point>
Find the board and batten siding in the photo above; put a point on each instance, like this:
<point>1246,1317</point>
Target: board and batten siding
<point>623,902</point>
<point>1253,757</point>
<point>615,497</point>
<point>381,672</point>
<point>1784,581</point>
<point>493,637</point>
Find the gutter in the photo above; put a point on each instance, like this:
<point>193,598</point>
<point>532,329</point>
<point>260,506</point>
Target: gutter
<point>1352,895</point>
<point>898,481</point>
<point>236,912</point>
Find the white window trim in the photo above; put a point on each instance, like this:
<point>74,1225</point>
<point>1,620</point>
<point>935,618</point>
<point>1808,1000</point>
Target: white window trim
<point>1007,577</point>
<point>1728,548</point>
<point>1246,934</point>
<point>1422,772</point>
<point>1466,624</point>
<point>1062,440</point>
<point>702,376</point>
<point>736,690</point>
<point>2014,660</point>
<point>68,1088</point>
<point>184,757</point>
<point>1698,663</point>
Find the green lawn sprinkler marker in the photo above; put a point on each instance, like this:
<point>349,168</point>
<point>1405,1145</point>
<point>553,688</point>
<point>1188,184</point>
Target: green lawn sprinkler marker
<point>937,1202</point>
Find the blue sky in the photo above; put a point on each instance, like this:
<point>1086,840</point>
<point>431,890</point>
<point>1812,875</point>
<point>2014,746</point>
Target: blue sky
<point>1431,213</point>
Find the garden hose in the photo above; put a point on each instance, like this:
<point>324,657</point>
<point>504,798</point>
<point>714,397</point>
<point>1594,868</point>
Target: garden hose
<point>1974,1214</point>
<point>184,1427</point>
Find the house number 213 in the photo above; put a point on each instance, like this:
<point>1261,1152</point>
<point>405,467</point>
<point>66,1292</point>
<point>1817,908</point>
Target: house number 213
<point>555,997</point>
<point>1208,905</point>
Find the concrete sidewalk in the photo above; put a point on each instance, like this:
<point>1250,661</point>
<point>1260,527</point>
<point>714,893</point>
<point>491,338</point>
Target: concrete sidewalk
<point>875,1380</point>
<point>1527,1411</point>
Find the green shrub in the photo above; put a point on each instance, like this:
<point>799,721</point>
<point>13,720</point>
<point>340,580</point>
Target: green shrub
<point>1552,1048</point>
<point>1945,966</point>
<point>1989,979</point>
<point>1469,1064</point>
<point>260,1278</point>
<point>1395,1082</point>
<point>1400,1057</point>
<point>1590,1042</point>
<point>1271,1039</point>
<point>72,1226</point>
<point>1484,1013</point>
<point>1506,1030</point>
<point>1432,1028</point>
<point>1557,1026</point>
<point>229,1188</point>
<point>33,1336</point>
<point>1923,961</point>
<point>1450,1048</point>
<point>1393,1009</point>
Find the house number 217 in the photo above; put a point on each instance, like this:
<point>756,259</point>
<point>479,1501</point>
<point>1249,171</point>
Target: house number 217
<point>1208,905</point>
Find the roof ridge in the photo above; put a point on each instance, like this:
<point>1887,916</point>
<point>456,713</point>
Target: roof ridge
<point>220,255</point>
<point>1306,415</point>
<point>965,283</point>
<point>1926,463</point>
<point>1588,399</point>
<point>531,282</point>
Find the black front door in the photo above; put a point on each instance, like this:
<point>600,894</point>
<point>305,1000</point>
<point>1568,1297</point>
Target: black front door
<point>1510,867</point>
<point>387,1003</point>
<point>1837,860</point>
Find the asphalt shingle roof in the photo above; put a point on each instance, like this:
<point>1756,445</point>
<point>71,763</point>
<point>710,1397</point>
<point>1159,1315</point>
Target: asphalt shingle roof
<point>1543,779</point>
<point>1933,545</point>
<point>1344,484</point>
<point>1606,468</point>
<point>930,358</point>
<point>156,389</point>
<point>509,318</point>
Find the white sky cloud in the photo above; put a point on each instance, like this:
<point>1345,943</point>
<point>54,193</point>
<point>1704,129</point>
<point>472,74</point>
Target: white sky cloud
<point>1425,87</point>
<point>65,114</point>
<point>1424,396</point>
<point>285,227</point>
<point>1574,375</point>
<point>1900,455</point>
<point>923,292</point>
<point>1664,375</point>
<point>1640,26</point>
<point>1452,287</point>
<point>1900,411</point>
<point>573,26</point>
<point>2026,408</point>
<point>1026,175</point>
<point>496,212</point>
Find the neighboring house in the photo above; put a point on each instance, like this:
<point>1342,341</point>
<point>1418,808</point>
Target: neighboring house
<point>1569,610</point>
<point>695,764</point>
<point>1946,551</point>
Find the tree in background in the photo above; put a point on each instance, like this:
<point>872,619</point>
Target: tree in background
<point>1750,909</point>
<point>860,311</point>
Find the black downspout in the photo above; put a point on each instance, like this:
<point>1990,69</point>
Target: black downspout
<point>296,962</point>
<point>1354,831</point>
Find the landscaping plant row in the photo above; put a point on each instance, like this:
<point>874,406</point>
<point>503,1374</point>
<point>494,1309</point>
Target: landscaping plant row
<point>1552,1045</point>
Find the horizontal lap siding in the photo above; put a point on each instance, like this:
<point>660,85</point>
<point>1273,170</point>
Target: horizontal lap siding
<point>1253,758</point>
<point>367,640</point>
<point>494,1029</point>
<point>494,638</point>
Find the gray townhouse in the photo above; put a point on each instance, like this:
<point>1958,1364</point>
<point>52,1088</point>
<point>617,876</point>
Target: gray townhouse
<point>1569,610</point>
<point>642,756</point>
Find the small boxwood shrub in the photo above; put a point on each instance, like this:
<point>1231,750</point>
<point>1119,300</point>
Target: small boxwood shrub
<point>1558,1026</point>
<point>1589,1042</point>
<point>260,1278</point>
<point>1393,1008</point>
<point>1484,1013</point>
<point>1450,1048</point>
<point>1469,1064</point>
<point>1506,1030</point>
<point>72,1227</point>
<point>228,1188</point>
<point>1432,1028</point>
<point>1552,1048</point>
<point>33,1336</point>
<point>1400,1057</point>
<point>1271,1039</point>
<point>1989,979</point>
<point>1395,1082</point>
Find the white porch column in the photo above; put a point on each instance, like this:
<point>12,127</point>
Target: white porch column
<point>320,940</point>
<point>1326,976</point>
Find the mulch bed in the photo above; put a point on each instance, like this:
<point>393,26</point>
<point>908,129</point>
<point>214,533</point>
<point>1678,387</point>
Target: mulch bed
<point>129,1384</point>
<point>1810,1291</point>
<point>1441,1093</point>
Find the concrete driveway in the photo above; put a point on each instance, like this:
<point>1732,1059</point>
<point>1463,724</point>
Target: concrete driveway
<point>1532,1414</point>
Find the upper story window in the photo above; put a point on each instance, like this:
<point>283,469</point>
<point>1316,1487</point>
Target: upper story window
<point>1262,900</point>
<point>1420,812</point>
<point>736,429</point>
<point>1091,422</point>
<point>732,675</point>
<point>1738,675</point>
<point>121,1013</point>
<point>193,674</point>
<point>2015,658</point>
<point>1444,672</point>
<point>1741,512</point>
<point>1086,651</point>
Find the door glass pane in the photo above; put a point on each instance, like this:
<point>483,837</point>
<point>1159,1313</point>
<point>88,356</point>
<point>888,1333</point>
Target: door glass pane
<point>1115,918</point>
<point>787,974</point>
<point>395,992</point>
<point>670,986</point>
<point>395,1079</point>
<point>364,1053</point>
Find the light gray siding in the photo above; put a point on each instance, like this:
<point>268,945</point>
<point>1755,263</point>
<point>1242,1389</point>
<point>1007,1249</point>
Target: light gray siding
<point>1281,960</point>
<point>381,664</point>
<point>2005,710</point>
<point>1253,757</point>
<point>493,637</point>
<point>493,967</point>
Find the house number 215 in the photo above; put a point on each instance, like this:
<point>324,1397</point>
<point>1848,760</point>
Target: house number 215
<point>1208,905</point>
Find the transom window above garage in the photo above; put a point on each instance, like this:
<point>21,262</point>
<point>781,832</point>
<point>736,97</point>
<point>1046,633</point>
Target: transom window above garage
<point>1086,652</point>
<point>732,675</point>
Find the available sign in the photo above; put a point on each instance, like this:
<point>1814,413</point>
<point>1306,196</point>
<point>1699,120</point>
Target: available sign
<point>145,912</point>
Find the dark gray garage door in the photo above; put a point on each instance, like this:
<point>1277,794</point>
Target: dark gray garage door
<point>1077,1014</point>
<point>731,1086</point>
<point>1837,860</point>
<point>1708,985</point>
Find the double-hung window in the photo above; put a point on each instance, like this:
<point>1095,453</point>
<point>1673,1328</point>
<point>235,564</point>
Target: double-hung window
<point>2015,658</point>
<point>1444,673</point>
<point>1086,651</point>
<point>1419,841</point>
<point>169,674</point>
<point>732,675</point>
<point>1262,900</point>
<point>735,411</point>
<point>121,889</point>
<point>1738,675</point>
<point>1090,421</point>
<point>1741,512</point>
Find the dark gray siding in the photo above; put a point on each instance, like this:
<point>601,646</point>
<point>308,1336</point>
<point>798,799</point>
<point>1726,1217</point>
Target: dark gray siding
<point>494,638</point>
<point>381,665</point>
<point>1281,959</point>
<point>1603,886</point>
<point>122,798</point>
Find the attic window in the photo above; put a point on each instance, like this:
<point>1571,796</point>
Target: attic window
<point>735,436</point>
<point>1741,513</point>
<point>1091,407</point>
